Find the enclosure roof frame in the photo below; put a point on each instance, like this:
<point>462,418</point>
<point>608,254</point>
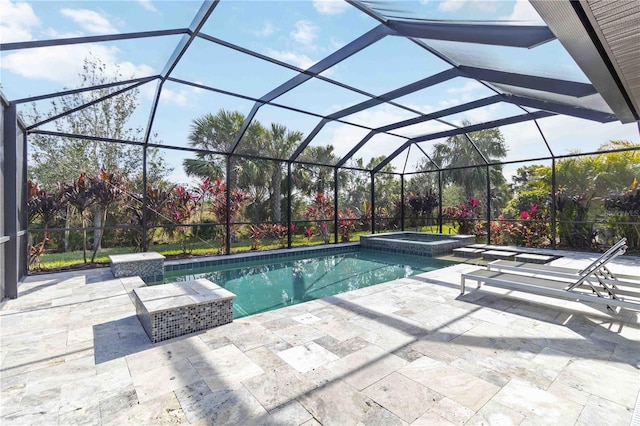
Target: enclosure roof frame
<point>582,20</point>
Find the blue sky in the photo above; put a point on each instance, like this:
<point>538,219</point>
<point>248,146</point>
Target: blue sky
<point>299,33</point>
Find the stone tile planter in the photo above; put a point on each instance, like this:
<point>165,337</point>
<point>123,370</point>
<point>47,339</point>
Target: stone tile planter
<point>148,265</point>
<point>171,310</point>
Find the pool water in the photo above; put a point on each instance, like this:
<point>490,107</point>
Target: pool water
<point>263,286</point>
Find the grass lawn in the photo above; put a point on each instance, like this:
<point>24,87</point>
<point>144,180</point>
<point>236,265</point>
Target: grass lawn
<point>54,261</point>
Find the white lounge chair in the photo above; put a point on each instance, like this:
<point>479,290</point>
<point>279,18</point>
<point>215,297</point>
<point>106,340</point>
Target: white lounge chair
<point>613,294</point>
<point>598,267</point>
<point>589,285</point>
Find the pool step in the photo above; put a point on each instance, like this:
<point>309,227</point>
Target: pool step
<point>499,255</point>
<point>478,246</point>
<point>534,258</point>
<point>468,252</point>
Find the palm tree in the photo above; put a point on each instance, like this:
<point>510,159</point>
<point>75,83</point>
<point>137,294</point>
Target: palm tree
<point>216,133</point>
<point>355,186</point>
<point>279,143</point>
<point>458,151</point>
<point>253,176</point>
<point>317,179</point>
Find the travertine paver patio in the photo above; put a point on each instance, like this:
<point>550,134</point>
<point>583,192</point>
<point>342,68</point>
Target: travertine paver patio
<point>406,352</point>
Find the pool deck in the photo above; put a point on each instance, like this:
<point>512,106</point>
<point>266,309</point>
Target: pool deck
<point>411,351</point>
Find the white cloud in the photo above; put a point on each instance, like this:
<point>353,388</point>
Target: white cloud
<point>451,5</point>
<point>524,12</point>
<point>478,115</point>
<point>298,59</point>
<point>305,32</point>
<point>53,33</point>
<point>18,20</point>
<point>464,93</point>
<point>129,69</point>
<point>148,5</point>
<point>487,6</point>
<point>380,115</point>
<point>179,97</point>
<point>456,5</point>
<point>63,64</point>
<point>336,44</point>
<point>267,29</point>
<point>424,128</point>
<point>469,86</point>
<point>330,7</point>
<point>90,20</point>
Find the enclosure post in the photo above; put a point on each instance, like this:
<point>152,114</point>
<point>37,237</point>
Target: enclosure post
<point>11,184</point>
<point>488,205</point>
<point>554,225</point>
<point>289,204</point>
<point>227,237</point>
<point>402,202</point>
<point>335,205</point>
<point>440,200</point>
<point>22,214</point>
<point>145,201</point>
<point>373,202</point>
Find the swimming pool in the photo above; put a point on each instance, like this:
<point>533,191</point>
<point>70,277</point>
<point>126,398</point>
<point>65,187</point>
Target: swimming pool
<point>265,285</point>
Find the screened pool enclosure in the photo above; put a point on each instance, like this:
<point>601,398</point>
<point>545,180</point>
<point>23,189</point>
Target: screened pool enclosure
<point>195,128</point>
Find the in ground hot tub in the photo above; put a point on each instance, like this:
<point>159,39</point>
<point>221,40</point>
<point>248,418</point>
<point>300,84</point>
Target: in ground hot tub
<point>416,243</point>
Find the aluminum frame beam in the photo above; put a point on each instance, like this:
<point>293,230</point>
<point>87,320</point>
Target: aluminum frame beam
<point>397,93</point>
<point>85,137</point>
<point>545,84</point>
<point>308,139</point>
<point>387,97</point>
<point>581,34</point>
<point>560,108</point>
<point>429,158</point>
<point>483,126</point>
<point>362,42</point>
<point>198,21</point>
<point>293,68</point>
<point>88,104</point>
<point>442,113</point>
<point>434,115</point>
<point>83,89</point>
<point>89,39</point>
<point>525,36</point>
<point>356,148</point>
<point>477,149</point>
<point>467,129</point>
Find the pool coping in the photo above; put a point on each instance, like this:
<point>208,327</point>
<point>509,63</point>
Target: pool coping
<point>204,262</point>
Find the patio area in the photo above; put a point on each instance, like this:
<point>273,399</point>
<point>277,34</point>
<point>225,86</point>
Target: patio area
<point>411,351</point>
